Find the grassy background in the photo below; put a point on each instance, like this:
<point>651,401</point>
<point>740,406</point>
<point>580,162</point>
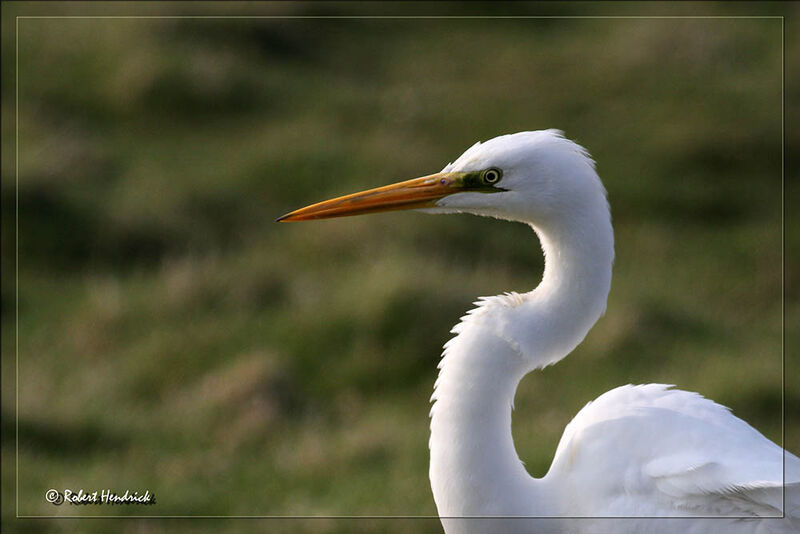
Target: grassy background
<point>173,338</point>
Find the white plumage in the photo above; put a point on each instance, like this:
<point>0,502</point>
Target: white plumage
<point>639,459</point>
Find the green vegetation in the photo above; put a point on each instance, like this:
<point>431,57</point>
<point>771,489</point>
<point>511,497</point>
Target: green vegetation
<point>172,337</point>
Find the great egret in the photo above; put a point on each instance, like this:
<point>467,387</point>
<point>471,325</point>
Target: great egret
<point>665,460</point>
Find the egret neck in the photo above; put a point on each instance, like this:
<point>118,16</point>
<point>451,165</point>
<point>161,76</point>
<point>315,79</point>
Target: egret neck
<point>475,470</point>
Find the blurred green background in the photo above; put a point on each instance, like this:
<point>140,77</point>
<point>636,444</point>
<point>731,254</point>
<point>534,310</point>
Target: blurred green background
<point>172,337</point>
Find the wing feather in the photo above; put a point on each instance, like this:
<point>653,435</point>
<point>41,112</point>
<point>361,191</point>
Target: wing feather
<point>685,453</point>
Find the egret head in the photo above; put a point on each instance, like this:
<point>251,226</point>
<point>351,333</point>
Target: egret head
<point>534,177</point>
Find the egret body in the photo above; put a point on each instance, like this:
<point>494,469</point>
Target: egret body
<point>638,459</point>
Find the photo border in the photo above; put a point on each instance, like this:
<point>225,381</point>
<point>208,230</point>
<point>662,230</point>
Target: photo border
<point>256,516</point>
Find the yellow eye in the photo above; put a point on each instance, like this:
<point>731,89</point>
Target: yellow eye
<point>492,176</point>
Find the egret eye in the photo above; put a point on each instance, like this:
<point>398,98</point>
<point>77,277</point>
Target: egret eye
<point>492,176</point>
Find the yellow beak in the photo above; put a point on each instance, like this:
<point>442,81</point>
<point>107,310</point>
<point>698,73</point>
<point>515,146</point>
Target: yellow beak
<point>410,194</point>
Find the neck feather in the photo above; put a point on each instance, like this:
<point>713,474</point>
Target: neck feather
<point>474,467</point>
